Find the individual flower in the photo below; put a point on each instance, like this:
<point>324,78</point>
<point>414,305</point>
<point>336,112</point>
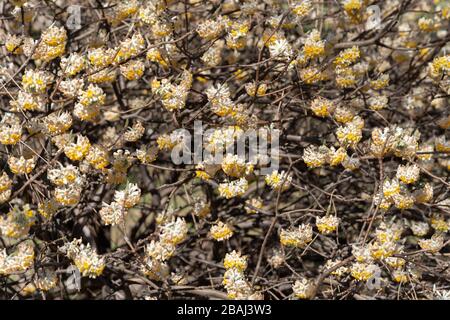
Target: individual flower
<point>315,156</point>
<point>337,156</point>
<point>345,77</point>
<point>439,224</point>
<point>303,289</point>
<point>380,83</point>
<point>212,57</point>
<point>322,107</point>
<point>350,134</point>
<point>434,244</point>
<point>353,9</point>
<point>17,222</point>
<point>125,9</point>
<point>344,114</point>
<point>236,284</point>
<point>212,28</point>
<point>112,214</point>
<point>73,64</point>
<point>54,36</point>
<point>235,260</point>
<point>426,24</point>
<point>403,200</point>
<point>276,259</point>
<point>400,276</point>
<point>63,175</point>
<point>221,231</point>
<point>174,232</point>
<point>173,96</point>
<point>93,95</point>
<point>101,57</point>
<point>363,271</point>
<point>13,44</point>
<point>327,224</point>
<point>68,195</point>
<point>314,46</point>
<point>5,182</point>
<point>10,129</point>
<point>71,87</point>
<point>391,188</point>
<point>395,262</point>
<point>21,165</point>
<point>77,149</point>
<point>278,180</point>
<point>88,262</point>
<point>135,132</point>
<point>235,166</point>
<point>408,174</point>
<point>348,56</point>
<point>160,250</point>
<point>129,48</point>
<point>340,271</point>
<point>98,157</point>
<point>57,123</point>
<point>234,188</point>
<point>378,102</point>
<point>147,155</point>
<point>27,101</point>
<point>439,66</point>
<point>296,237</point>
<point>129,196</point>
<point>36,81</point>
<point>281,49</point>
<point>18,261</point>
<point>301,8</point>
<point>132,70</point>
<point>154,55</point>
<point>419,228</point>
<point>312,75</point>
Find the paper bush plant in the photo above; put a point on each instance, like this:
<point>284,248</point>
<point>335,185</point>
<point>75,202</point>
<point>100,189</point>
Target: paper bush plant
<point>91,121</point>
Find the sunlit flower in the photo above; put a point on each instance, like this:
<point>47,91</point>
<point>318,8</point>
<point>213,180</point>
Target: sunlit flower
<point>327,224</point>
<point>296,237</point>
<point>234,188</point>
<point>279,180</point>
<point>221,231</point>
<point>88,262</point>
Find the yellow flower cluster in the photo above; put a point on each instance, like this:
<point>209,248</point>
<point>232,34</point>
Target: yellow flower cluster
<point>173,97</point>
<point>18,261</point>
<point>303,288</point>
<point>114,213</point>
<point>221,231</point>
<point>158,252</point>
<point>18,222</point>
<point>10,129</point>
<point>278,180</point>
<point>296,237</point>
<point>88,262</point>
<point>233,189</point>
<point>234,279</point>
<point>52,44</point>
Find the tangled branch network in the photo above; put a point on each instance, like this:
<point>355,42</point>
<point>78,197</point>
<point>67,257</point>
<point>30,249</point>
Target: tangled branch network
<point>109,191</point>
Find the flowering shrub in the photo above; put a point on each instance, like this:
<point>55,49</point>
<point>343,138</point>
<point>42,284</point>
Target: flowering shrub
<point>94,117</point>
